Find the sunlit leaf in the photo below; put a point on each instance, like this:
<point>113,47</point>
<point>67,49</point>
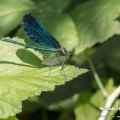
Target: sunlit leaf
<point>11,13</point>
<point>10,118</point>
<point>96,21</point>
<point>22,75</point>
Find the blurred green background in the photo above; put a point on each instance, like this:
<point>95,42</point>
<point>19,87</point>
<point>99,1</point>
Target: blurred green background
<point>91,26</point>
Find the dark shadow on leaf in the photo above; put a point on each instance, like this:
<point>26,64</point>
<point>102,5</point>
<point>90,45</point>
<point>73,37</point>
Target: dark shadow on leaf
<point>118,19</point>
<point>111,49</point>
<point>6,62</point>
<point>28,57</point>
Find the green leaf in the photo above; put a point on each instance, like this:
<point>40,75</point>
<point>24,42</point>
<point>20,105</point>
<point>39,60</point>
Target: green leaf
<point>111,50</point>
<point>11,13</point>
<point>23,76</point>
<point>77,85</point>
<point>10,118</point>
<point>54,6</point>
<point>96,21</point>
<point>88,104</point>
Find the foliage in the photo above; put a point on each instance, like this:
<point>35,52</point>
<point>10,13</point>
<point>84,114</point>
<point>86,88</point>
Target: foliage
<point>88,28</point>
<point>88,103</point>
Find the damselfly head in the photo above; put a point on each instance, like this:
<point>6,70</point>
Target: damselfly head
<point>62,51</point>
<point>70,53</point>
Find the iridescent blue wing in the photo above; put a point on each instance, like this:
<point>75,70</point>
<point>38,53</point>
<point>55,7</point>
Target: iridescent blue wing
<point>37,33</point>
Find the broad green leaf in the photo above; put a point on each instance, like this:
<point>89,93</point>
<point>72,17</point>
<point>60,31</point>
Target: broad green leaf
<point>111,50</point>
<point>11,13</point>
<point>77,85</point>
<point>109,61</point>
<point>96,21</point>
<point>23,76</point>
<point>10,118</point>
<point>88,104</point>
<point>54,6</point>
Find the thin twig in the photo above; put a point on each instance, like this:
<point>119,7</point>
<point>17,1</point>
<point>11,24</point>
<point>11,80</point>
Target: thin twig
<point>109,102</point>
<point>96,75</point>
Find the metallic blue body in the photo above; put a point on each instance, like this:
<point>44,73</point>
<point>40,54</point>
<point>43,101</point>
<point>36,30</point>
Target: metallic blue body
<point>15,42</point>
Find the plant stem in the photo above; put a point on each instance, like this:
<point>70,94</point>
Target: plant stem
<point>110,101</point>
<point>96,75</point>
